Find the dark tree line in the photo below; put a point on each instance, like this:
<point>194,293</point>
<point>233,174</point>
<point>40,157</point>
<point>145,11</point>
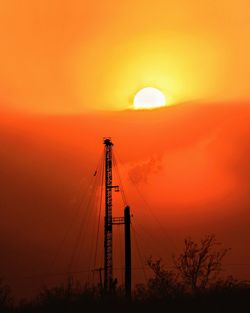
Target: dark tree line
<point>192,284</point>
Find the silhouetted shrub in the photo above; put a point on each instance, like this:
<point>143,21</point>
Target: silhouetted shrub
<point>5,297</point>
<point>193,285</point>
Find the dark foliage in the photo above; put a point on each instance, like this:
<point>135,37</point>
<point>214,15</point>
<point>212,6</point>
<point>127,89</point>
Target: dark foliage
<point>193,286</point>
<point>5,297</point>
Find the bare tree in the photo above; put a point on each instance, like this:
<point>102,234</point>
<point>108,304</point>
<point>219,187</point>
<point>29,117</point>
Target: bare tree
<point>200,264</point>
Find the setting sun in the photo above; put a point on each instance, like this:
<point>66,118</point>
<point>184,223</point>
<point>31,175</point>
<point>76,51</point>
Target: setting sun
<point>149,98</point>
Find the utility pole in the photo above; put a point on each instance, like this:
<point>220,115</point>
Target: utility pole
<point>127,236</point>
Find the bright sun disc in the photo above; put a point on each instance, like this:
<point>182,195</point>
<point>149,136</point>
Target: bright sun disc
<point>149,98</point>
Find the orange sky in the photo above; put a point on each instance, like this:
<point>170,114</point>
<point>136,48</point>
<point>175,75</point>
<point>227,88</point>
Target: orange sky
<point>62,61</point>
<point>70,56</point>
<point>185,170</point>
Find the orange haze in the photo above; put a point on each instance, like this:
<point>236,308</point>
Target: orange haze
<point>185,171</point>
<point>69,71</point>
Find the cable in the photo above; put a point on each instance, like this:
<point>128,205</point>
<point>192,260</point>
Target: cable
<point>84,219</point>
<point>119,179</point>
<point>121,253</point>
<point>139,253</point>
<point>67,232</point>
<point>155,217</point>
<point>145,237</point>
<point>81,271</point>
<point>91,206</point>
<point>98,206</point>
<point>151,212</point>
<point>99,219</point>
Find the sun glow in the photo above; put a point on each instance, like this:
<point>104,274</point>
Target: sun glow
<point>149,98</point>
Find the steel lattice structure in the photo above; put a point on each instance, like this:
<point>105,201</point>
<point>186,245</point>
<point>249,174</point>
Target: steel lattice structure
<point>108,261</point>
<point>109,221</point>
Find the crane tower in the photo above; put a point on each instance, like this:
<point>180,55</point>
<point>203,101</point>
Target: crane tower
<point>109,221</point>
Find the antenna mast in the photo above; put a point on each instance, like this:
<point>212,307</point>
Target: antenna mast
<point>109,221</point>
<point>108,261</point>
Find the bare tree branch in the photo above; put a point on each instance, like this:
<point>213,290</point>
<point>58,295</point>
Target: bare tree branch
<point>200,264</point>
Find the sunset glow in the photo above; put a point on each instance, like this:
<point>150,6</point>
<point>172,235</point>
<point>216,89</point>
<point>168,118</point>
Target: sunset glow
<point>168,81</point>
<point>149,98</point>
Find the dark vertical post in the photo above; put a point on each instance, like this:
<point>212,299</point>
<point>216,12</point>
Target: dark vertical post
<point>127,223</point>
<point>100,277</point>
